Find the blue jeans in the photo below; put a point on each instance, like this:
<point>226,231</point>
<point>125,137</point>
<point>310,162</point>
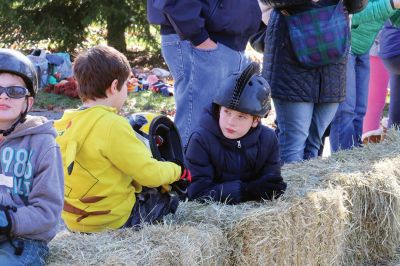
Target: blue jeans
<point>197,75</point>
<point>301,127</point>
<point>346,128</point>
<point>392,64</point>
<point>34,253</point>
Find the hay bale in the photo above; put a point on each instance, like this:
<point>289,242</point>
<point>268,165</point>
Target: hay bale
<point>309,231</point>
<point>374,229</point>
<point>370,178</point>
<point>153,245</point>
<point>341,210</point>
<point>305,231</point>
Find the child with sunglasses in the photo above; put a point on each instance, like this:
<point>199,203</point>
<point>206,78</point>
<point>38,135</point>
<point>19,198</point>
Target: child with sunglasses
<point>31,175</point>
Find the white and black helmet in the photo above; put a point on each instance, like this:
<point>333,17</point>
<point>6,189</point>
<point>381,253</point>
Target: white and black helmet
<point>12,61</point>
<point>247,92</point>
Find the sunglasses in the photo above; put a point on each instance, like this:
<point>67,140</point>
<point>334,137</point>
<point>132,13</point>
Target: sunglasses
<point>14,92</point>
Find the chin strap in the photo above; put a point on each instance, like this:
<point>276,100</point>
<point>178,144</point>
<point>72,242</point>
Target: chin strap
<point>21,120</point>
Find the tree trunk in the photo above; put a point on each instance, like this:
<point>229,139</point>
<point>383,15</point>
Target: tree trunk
<point>116,32</point>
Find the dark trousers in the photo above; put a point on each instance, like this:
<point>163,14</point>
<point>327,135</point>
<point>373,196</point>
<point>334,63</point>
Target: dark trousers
<point>151,206</point>
<point>392,64</point>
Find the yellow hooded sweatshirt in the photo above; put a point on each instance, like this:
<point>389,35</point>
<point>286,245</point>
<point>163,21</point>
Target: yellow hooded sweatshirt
<point>105,164</point>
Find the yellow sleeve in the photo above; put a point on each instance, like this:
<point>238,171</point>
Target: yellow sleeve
<point>131,156</point>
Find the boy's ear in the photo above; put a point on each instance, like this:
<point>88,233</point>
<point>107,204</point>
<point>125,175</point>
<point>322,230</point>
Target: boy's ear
<point>256,120</point>
<point>114,87</point>
<point>30,102</point>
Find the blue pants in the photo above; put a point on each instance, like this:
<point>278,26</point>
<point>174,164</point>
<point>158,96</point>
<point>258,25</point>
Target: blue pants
<point>197,75</point>
<point>301,127</point>
<point>34,253</point>
<point>346,128</point>
<point>393,66</point>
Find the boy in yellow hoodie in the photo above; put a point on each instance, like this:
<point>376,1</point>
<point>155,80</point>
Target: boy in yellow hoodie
<point>105,164</point>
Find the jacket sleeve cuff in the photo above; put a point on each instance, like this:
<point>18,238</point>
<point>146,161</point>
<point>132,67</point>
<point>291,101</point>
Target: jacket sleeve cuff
<point>199,38</point>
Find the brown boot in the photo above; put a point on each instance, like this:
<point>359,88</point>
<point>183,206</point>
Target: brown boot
<point>373,136</point>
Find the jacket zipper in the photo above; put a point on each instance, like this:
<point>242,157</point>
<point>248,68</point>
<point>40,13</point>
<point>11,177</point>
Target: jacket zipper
<point>239,145</point>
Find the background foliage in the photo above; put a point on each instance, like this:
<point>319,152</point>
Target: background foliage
<point>68,25</point>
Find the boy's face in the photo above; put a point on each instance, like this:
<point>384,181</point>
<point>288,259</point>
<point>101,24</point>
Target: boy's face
<point>234,124</point>
<point>10,108</point>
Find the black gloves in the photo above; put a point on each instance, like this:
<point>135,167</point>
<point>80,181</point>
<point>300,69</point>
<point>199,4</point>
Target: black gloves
<point>264,189</point>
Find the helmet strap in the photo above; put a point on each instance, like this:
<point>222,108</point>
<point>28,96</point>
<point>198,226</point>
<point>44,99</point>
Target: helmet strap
<point>21,120</point>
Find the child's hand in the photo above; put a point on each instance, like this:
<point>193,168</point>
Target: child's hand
<point>186,175</point>
<point>5,221</point>
<point>396,4</point>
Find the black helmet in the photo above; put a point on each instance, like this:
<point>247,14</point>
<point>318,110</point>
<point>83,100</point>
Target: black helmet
<point>246,92</point>
<point>14,62</point>
<point>160,135</point>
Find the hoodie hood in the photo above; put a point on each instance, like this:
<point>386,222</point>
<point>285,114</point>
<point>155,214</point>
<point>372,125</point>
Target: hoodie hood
<point>33,125</point>
<point>74,127</point>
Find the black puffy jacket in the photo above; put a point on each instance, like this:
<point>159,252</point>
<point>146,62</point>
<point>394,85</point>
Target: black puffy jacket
<point>233,171</point>
<point>289,80</point>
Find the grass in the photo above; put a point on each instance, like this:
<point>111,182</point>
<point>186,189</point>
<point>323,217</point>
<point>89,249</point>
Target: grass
<point>51,101</point>
<point>144,101</point>
<point>147,101</point>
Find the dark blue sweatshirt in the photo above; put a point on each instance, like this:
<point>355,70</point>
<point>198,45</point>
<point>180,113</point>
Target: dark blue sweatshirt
<point>233,171</point>
<point>228,22</point>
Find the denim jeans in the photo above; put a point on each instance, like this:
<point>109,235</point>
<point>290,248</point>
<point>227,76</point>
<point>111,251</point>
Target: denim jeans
<point>34,253</point>
<point>392,64</point>
<point>301,127</point>
<point>197,76</point>
<point>346,128</point>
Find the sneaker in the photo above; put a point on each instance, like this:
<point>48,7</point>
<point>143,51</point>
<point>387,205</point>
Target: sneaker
<point>385,124</point>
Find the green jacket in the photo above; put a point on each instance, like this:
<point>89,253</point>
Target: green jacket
<point>366,24</point>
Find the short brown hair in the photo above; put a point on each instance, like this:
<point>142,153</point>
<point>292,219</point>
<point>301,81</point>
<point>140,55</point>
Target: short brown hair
<point>96,68</point>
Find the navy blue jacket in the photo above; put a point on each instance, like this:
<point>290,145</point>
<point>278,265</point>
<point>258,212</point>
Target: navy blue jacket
<point>228,22</point>
<point>288,79</point>
<point>390,41</point>
<point>233,171</point>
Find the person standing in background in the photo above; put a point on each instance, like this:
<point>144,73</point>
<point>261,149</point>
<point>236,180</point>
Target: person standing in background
<point>202,42</point>
<point>377,91</point>
<point>390,54</point>
<point>347,126</point>
<point>305,99</point>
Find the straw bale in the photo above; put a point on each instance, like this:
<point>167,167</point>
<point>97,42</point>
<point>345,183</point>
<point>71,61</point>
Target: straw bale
<point>343,209</point>
<point>310,231</point>
<point>370,179</point>
<point>305,231</point>
<point>153,245</point>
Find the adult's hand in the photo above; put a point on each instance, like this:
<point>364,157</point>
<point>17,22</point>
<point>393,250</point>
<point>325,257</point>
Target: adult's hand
<point>207,45</point>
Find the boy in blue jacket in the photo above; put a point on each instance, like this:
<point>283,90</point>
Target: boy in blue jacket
<point>232,157</point>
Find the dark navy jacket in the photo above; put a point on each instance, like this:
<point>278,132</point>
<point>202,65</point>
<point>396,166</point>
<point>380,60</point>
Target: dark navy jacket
<point>233,171</point>
<point>228,22</point>
<point>288,79</point>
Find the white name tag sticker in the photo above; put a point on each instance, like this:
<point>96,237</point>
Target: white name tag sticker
<point>7,181</point>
